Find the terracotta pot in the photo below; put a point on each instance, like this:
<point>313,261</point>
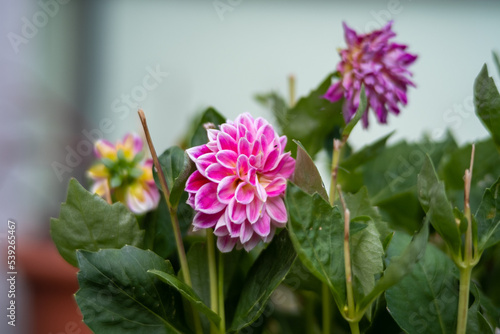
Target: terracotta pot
<point>51,283</point>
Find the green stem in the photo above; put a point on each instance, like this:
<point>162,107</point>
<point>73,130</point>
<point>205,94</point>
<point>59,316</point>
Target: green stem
<point>173,217</point>
<point>351,306</point>
<point>354,325</point>
<point>337,145</point>
<point>463,299</point>
<point>212,273</point>
<point>221,295</point>
<point>327,313</point>
<point>469,259</point>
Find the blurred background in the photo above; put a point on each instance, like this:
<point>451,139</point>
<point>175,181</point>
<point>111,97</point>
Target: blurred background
<point>73,71</point>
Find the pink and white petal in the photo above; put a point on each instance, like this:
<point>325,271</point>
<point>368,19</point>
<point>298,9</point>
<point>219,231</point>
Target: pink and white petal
<point>229,129</point>
<point>254,210</point>
<point>271,234</point>
<point>283,141</point>
<point>246,232</point>
<point>195,182</point>
<point>275,207</point>
<point>240,131</point>
<point>212,134</point>
<point>215,172</point>
<point>247,120</point>
<point>263,226</point>
<point>278,224</point>
<point>250,136</point>
<point>244,147</point>
<point>276,187</point>
<point>227,158</point>
<point>190,200</point>
<point>252,176</point>
<point>212,146</point>
<point>285,167</point>
<point>204,161</point>
<point>256,147</point>
<point>226,142</point>
<point>139,205</point>
<point>197,151</point>
<point>227,188</point>
<point>272,160</point>
<point>221,229</point>
<point>202,220</point>
<point>256,160</point>
<point>245,193</point>
<point>154,193</point>
<point>242,166</point>
<point>261,192</point>
<point>268,133</point>
<point>250,244</point>
<point>206,199</point>
<point>260,122</point>
<point>236,212</point>
<point>234,229</point>
<point>225,244</point>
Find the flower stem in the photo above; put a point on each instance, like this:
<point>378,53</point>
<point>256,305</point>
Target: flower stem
<point>463,299</point>
<point>173,216</point>
<point>337,145</point>
<point>326,303</point>
<point>351,306</point>
<point>222,312</point>
<point>212,273</point>
<point>469,260</point>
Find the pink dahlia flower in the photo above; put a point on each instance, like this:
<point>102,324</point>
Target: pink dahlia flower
<point>122,174</point>
<point>380,65</point>
<point>240,182</point>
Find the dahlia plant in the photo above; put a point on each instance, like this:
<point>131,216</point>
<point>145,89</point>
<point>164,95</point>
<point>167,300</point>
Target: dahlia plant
<point>234,231</point>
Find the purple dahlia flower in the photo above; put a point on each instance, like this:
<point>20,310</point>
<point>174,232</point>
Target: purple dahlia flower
<point>378,64</point>
<point>240,182</point>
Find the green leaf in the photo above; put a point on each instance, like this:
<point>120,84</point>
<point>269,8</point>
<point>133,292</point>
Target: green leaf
<point>364,155</point>
<point>390,174</point>
<point>117,295</point>
<point>268,271</point>
<point>313,120</point>
<point>177,167</point>
<point>359,113</point>
<point>306,174</point>
<point>488,218</point>
<point>274,102</point>
<point>159,234</point>
<point>367,261</point>
<point>198,269</point>
<point>187,293</point>
<point>486,171</point>
<point>433,199</point>
<point>359,205</point>
<point>476,322</point>
<point>317,233</point>
<point>496,60</point>
<point>200,133</point>
<point>402,263</point>
<point>487,103</point>
<point>426,301</point>
<point>86,221</point>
